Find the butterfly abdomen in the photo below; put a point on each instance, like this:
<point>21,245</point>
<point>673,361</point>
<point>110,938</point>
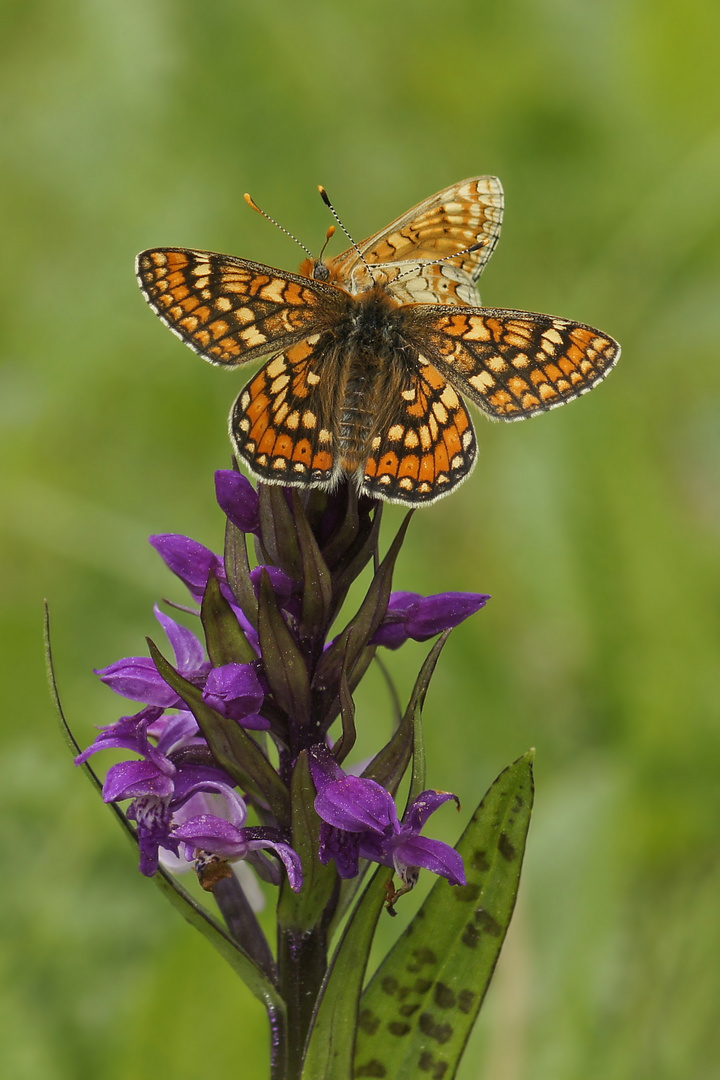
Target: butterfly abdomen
<point>373,347</point>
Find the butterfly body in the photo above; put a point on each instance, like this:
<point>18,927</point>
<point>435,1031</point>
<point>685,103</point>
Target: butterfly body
<point>369,355</point>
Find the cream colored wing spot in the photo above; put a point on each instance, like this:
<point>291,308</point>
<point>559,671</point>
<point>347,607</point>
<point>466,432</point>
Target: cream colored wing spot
<point>482,381</point>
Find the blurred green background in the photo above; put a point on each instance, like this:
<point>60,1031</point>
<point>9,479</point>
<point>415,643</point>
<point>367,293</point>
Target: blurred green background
<point>595,528</point>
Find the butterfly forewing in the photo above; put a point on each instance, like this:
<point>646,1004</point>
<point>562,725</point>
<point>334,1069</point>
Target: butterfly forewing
<point>514,364</point>
<point>230,310</point>
<point>442,227</point>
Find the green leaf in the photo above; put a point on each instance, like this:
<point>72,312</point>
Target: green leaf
<point>277,529</point>
<point>237,568</point>
<point>284,664</point>
<point>330,1048</point>
<point>349,645</point>
<point>226,642</point>
<point>356,555</point>
<point>256,980</point>
<point>232,747</point>
<point>389,765</point>
<point>347,711</point>
<point>302,911</point>
<point>317,579</point>
<point>417,1011</point>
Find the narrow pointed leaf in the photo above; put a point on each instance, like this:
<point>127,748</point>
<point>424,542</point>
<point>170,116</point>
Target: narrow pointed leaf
<point>317,581</point>
<point>302,911</point>
<point>392,688</point>
<point>345,534</point>
<point>237,569</point>
<point>232,747</point>
<point>356,558</point>
<point>285,668</point>
<point>226,642</point>
<point>389,765</point>
<point>417,1012</point>
<point>347,710</point>
<point>354,677</point>
<point>277,530</point>
<point>329,1053</point>
<point>362,627</point>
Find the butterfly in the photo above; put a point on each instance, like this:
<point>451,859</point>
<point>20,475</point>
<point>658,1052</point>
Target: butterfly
<point>370,354</point>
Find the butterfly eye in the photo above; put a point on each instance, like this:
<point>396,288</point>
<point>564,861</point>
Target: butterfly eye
<point>321,272</point>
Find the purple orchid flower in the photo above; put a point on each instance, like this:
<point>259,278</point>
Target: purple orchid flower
<point>193,563</point>
<point>158,784</point>
<point>238,499</point>
<point>410,615</point>
<point>229,839</point>
<point>137,678</point>
<point>235,691</point>
<point>361,821</point>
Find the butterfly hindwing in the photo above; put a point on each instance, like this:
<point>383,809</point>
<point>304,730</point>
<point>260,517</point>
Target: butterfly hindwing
<point>426,444</point>
<point>229,310</point>
<point>514,364</point>
<point>282,423</point>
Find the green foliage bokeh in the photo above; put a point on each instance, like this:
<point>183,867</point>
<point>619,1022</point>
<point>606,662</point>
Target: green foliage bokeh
<point>141,122</point>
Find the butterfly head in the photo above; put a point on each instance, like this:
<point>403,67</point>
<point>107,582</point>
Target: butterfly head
<point>317,269</point>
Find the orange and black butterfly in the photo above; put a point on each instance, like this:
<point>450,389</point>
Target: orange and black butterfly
<point>369,352</point>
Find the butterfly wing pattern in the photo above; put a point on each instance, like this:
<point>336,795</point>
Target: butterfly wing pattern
<point>228,310</point>
<point>514,364</point>
<point>370,352</point>
<point>443,227</point>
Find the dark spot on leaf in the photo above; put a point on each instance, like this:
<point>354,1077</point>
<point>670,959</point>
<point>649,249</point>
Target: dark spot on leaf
<point>506,847</point>
<point>440,1032</point>
<point>479,861</point>
<point>404,992</point>
<point>368,1022</point>
<point>422,957</point>
<point>408,1010</point>
<point>444,996</point>
<point>437,1069</point>
<point>471,936</point>
<point>488,922</point>
<point>466,999</point>
<point>422,986</point>
<point>373,1068</point>
<point>389,985</point>
<point>519,803</point>
<point>397,1028</point>
<point>466,893</point>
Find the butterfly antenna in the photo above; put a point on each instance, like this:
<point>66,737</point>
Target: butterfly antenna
<point>325,198</point>
<point>251,202</point>
<point>330,233</point>
<point>434,262</point>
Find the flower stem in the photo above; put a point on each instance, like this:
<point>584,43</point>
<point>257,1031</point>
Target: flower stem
<point>302,963</point>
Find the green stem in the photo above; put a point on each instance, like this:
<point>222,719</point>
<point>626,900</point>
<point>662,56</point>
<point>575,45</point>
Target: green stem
<point>302,963</point>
